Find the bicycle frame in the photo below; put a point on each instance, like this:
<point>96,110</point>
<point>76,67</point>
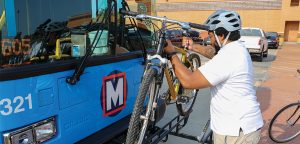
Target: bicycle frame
<point>175,88</point>
<point>162,65</point>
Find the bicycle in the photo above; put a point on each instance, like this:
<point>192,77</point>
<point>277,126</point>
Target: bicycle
<point>285,126</point>
<point>143,117</point>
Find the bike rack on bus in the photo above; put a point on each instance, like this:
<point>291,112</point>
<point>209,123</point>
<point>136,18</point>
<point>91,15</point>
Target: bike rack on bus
<point>173,127</point>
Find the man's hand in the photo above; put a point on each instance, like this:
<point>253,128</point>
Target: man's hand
<point>206,51</point>
<point>187,42</point>
<point>169,49</point>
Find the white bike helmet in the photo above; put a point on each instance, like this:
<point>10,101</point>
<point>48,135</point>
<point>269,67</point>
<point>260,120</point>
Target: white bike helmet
<point>229,20</point>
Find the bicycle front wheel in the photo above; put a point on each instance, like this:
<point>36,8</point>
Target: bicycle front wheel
<point>141,114</point>
<point>188,96</point>
<point>285,125</point>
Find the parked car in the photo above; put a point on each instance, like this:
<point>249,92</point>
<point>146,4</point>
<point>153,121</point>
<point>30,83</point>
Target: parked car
<point>255,41</point>
<point>176,36</point>
<point>273,39</point>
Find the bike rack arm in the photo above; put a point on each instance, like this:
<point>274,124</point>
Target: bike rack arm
<point>164,131</point>
<point>177,123</point>
<point>124,7</point>
<point>163,60</point>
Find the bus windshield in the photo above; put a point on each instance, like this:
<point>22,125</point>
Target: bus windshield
<point>2,26</point>
<point>30,14</point>
<point>2,15</point>
<point>31,29</point>
<point>45,31</point>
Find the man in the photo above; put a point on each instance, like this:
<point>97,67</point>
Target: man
<point>235,114</point>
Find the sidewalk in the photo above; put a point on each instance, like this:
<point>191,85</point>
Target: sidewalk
<point>281,87</point>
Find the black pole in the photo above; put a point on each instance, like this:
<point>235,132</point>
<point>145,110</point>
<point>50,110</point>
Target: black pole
<point>115,26</point>
<point>112,26</point>
<point>18,12</point>
<point>1,56</point>
<point>97,8</point>
<point>122,27</point>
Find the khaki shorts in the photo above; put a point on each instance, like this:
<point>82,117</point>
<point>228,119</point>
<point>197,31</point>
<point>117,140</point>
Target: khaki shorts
<point>251,138</point>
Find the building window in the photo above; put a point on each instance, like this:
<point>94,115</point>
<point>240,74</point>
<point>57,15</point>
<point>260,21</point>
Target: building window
<point>295,2</point>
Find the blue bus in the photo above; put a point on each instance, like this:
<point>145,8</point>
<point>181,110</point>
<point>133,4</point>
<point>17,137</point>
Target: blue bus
<point>69,71</point>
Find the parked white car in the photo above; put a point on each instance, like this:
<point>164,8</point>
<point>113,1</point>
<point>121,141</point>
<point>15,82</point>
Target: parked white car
<point>255,41</point>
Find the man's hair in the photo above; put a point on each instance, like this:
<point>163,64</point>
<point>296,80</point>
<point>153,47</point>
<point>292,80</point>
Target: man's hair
<point>234,35</point>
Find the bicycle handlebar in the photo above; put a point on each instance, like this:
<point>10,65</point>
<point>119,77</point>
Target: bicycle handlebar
<point>199,26</point>
<point>184,25</point>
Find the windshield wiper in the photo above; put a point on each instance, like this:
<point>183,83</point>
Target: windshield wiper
<point>83,62</point>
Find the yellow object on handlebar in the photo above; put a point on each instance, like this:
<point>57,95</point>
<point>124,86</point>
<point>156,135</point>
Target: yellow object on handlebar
<point>2,19</point>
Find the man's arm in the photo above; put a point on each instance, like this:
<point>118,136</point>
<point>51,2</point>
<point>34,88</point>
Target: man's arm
<point>189,79</point>
<point>207,51</point>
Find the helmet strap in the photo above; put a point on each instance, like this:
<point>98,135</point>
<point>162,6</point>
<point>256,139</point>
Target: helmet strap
<point>226,38</point>
<point>218,40</point>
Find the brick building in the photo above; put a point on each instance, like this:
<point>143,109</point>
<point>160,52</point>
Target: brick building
<point>281,16</point>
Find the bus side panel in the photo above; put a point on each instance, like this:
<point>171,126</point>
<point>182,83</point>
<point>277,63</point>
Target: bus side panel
<point>85,114</point>
<point>104,95</point>
<point>25,101</point>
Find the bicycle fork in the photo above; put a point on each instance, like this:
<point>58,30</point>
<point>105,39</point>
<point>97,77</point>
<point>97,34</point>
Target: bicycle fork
<point>150,111</point>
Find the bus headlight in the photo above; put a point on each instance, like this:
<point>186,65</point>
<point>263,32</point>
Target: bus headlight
<point>44,131</point>
<point>35,133</point>
<point>24,137</point>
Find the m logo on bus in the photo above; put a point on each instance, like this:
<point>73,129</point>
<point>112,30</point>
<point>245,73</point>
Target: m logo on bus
<point>114,93</point>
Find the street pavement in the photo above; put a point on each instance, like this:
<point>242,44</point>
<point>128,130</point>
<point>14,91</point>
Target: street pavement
<point>275,80</point>
<point>280,88</point>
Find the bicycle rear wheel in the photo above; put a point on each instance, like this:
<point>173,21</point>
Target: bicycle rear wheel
<point>285,125</point>
<point>138,126</point>
<point>189,95</point>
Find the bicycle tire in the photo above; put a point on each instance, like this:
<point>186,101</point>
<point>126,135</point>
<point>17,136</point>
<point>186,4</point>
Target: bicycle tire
<point>135,124</point>
<point>277,131</point>
<point>185,109</point>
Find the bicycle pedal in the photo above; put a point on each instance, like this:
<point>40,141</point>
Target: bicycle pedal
<point>182,99</point>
